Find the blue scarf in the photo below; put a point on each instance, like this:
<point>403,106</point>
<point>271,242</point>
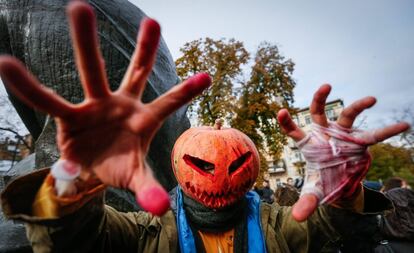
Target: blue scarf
<point>255,237</point>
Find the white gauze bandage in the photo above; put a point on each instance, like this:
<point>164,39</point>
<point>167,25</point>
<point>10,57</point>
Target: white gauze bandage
<point>65,173</point>
<point>337,160</point>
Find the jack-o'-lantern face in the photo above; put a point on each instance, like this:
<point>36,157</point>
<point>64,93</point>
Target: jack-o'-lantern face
<point>214,166</point>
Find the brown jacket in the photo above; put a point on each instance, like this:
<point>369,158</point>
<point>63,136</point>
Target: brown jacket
<point>96,227</point>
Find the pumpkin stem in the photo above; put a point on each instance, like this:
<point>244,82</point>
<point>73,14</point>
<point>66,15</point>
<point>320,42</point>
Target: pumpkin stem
<point>218,124</point>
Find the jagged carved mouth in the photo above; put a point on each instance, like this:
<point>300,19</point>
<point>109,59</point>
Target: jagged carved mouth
<point>220,198</point>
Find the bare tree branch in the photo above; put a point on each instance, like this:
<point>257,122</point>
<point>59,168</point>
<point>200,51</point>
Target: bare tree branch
<point>18,136</point>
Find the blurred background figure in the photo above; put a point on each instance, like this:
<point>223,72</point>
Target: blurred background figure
<point>397,227</point>
<point>298,183</point>
<point>267,193</point>
<point>394,182</point>
<point>286,195</point>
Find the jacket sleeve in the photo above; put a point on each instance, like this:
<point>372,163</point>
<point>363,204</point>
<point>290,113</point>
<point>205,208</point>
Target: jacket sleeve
<point>331,228</point>
<point>90,227</point>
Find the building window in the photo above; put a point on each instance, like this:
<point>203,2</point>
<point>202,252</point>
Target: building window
<point>11,148</point>
<point>278,182</point>
<point>308,120</point>
<point>298,157</point>
<point>330,114</point>
<point>276,166</point>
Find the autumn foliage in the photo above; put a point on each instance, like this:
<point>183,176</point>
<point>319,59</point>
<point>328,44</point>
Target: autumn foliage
<point>391,161</point>
<point>247,91</point>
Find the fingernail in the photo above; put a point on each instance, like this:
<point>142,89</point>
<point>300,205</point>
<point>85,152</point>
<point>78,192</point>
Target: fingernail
<point>154,200</point>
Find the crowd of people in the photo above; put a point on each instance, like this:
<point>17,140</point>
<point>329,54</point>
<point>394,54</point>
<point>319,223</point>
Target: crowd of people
<point>396,227</point>
<point>285,193</point>
<point>293,186</point>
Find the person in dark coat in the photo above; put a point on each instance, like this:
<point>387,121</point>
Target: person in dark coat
<point>397,227</point>
<point>267,193</point>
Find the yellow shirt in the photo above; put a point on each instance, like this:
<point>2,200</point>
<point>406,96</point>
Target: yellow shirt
<point>218,242</point>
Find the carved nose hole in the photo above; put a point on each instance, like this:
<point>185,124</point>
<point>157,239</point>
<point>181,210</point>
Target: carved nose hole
<point>239,162</point>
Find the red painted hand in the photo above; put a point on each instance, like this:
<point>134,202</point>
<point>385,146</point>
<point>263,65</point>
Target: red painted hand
<point>109,133</point>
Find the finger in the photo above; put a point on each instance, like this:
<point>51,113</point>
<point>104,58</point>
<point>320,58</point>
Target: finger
<point>86,47</point>
<point>304,207</point>
<point>30,91</point>
<point>390,131</point>
<point>143,58</point>
<point>179,95</point>
<point>347,117</point>
<point>149,194</point>
<point>317,108</point>
<point>289,126</point>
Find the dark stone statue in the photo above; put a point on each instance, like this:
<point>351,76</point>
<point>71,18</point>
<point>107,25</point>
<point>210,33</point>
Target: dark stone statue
<point>37,33</point>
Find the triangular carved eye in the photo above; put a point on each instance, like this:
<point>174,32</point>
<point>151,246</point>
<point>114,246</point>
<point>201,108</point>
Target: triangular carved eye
<point>199,164</point>
<point>239,162</point>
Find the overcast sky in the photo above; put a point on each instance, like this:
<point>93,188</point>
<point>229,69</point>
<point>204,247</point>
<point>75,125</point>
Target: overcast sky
<point>360,47</point>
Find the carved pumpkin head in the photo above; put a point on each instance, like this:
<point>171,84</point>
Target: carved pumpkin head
<point>215,166</point>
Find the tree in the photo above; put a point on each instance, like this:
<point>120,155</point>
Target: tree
<point>12,132</point>
<point>252,107</point>
<point>407,114</point>
<point>223,60</point>
<point>269,89</point>
<point>389,161</point>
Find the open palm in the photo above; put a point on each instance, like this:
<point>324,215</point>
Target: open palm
<point>350,179</point>
<point>109,133</point>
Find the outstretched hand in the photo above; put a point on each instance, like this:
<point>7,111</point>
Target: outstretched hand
<point>307,204</point>
<point>109,133</point>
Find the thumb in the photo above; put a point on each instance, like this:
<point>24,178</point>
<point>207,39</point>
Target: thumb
<point>149,194</point>
<point>304,207</point>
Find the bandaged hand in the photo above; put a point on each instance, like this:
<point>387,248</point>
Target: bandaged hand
<point>336,155</point>
<point>108,135</point>
<point>337,160</point>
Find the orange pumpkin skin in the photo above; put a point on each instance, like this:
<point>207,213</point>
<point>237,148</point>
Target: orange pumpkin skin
<point>216,167</point>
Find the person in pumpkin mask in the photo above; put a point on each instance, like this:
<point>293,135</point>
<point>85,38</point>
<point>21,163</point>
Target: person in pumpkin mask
<point>104,140</point>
